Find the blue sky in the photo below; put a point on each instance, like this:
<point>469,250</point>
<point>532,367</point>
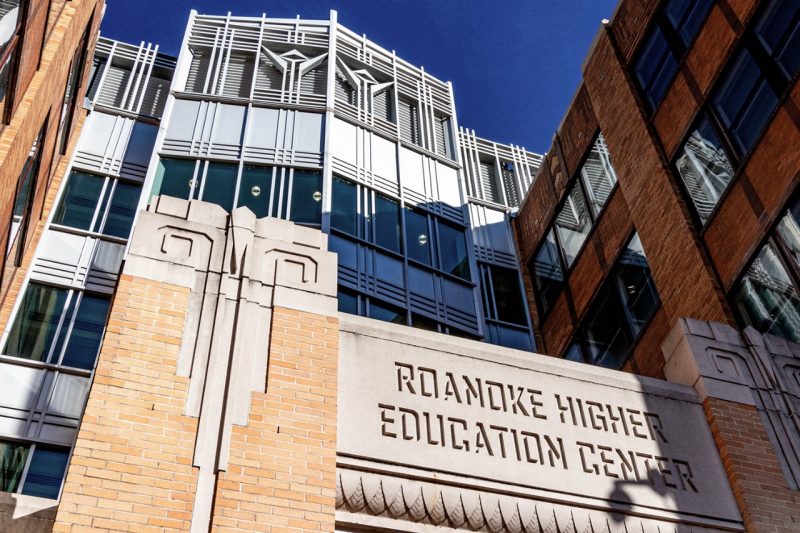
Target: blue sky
<point>514,64</point>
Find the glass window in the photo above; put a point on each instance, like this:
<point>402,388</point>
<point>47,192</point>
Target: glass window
<point>79,201</point>
<point>453,250</point>
<point>175,177</point>
<point>655,67</point>
<point>46,472</point>
<point>423,322</point>
<point>418,238</point>
<point>636,285</point>
<point>24,196</point>
<point>12,463</point>
<point>122,209</point>
<point>789,231</point>
<point>547,273</point>
<point>778,32</point>
<point>85,201</point>
<point>219,185</point>
<point>387,223</point>
<point>344,206</point>
<point>573,224</point>
<point>704,168</point>
<point>87,332</point>
<point>386,312</point>
<point>743,101</point>
<point>622,308</point>
<point>51,320</point>
<point>256,189</point>
<point>9,20</point>
<point>598,175</point>
<point>36,323</point>
<point>306,204</point>
<point>767,298</point>
<point>504,295</point>
<point>348,301</point>
<point>687,17</point>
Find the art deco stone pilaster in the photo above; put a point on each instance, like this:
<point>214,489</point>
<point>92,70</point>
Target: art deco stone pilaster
<point>235,270</point>
<point>749,387</point>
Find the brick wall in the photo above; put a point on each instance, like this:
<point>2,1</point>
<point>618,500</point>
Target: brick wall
<point>132,465</point>
<point>281,473</point>
<point>767,504</point>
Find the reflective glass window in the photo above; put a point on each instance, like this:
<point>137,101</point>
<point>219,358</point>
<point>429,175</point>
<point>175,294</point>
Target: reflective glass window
<point>36,323</point>
<point>348,301</point>
<point>418,238</point>
<point>219,185</point>
<point>636,285</point>
<point>507,295</point>
<point>767,297</point>
<point>175,177</point>
<point>12,463</point>
<point>79,201</point>
<point>387,223</point>
<point>306,194</point>
<point>87,332</point>
<point>598,175</point>
<point>46,472</point>
<point>789,231</point>
<point>704,168</point>
<point>547,273</point>
<point>743,101</point>
<point>573,224</point>
<point>344,206</point>
<point>453,250</point>
<point>255,189</point>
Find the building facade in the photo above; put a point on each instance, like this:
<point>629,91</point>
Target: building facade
<point>179,345</point>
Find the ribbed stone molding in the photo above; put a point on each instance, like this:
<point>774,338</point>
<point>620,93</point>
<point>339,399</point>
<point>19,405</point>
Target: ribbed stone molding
<point>377,500</point>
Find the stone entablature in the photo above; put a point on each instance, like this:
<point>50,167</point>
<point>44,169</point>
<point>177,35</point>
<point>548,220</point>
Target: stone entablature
<point>438,430</point>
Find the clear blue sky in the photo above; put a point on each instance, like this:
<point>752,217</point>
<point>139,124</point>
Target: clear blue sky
<point>514,64</point>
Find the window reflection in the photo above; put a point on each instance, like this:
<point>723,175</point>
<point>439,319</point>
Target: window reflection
<point>573,224</point>
<point>547,273</point>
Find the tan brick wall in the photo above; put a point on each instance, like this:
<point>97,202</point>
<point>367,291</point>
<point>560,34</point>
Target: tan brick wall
<point>132,465</point>
<point>760,488</point>
<point>281,474</point>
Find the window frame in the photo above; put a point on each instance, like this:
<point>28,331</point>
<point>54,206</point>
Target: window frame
<point>636,337</point>
<point>31,450</point>
<point>771,236</point>
<point>576,179</point>
<point>675,46</point>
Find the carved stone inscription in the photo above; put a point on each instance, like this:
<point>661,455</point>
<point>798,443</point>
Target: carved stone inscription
<point>577,434</point>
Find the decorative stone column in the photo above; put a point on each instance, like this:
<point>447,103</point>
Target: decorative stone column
<point>215,397</point>
<point>750,388</point>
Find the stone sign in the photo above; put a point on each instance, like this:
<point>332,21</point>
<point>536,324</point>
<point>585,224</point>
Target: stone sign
<point>573,433</point>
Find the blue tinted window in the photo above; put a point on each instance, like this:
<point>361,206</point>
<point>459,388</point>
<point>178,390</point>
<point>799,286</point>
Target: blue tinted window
<point>344,206</point>
<point>46,472</point>
<point>453,250</point>
<point>306,203</point>
<point>220,185</point>
<point>778,31</point>
<point>387,313</point>
<point>687,17</point>
<point>255,189</point>
<point>547,273</point>
<point>122,209</point>
<point>387,223</point>
<point>348,302</point>
<point>79,201</point>
<point>175,177</point>
<point>87,332</point>
<point>744,101</point>
<point>655,67</point>
<point>418,238</point>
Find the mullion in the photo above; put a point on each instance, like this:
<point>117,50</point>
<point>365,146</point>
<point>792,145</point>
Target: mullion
<point>766,63</point>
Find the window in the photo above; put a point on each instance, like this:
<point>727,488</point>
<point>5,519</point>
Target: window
<point>573,224</point>
<point>598,175</point>
<point>24,198</point>
<point>74,80</point>
<point>292,194</point>
<point>503,307</point>
<point>453,250</point>
<point>11,21</point>
<point>97,204</point>
<point>46,467</point>
<point>622,308</point>
<point>756,77</point>
<point>673,30</point>
<point>547,273</point>
<point>58,326</point>
<point>565,239</point>
<point>768,296</point>
<point>418,237</point>
<point>366,214</point>
<point>743,101</point>
<point>704,168</point>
